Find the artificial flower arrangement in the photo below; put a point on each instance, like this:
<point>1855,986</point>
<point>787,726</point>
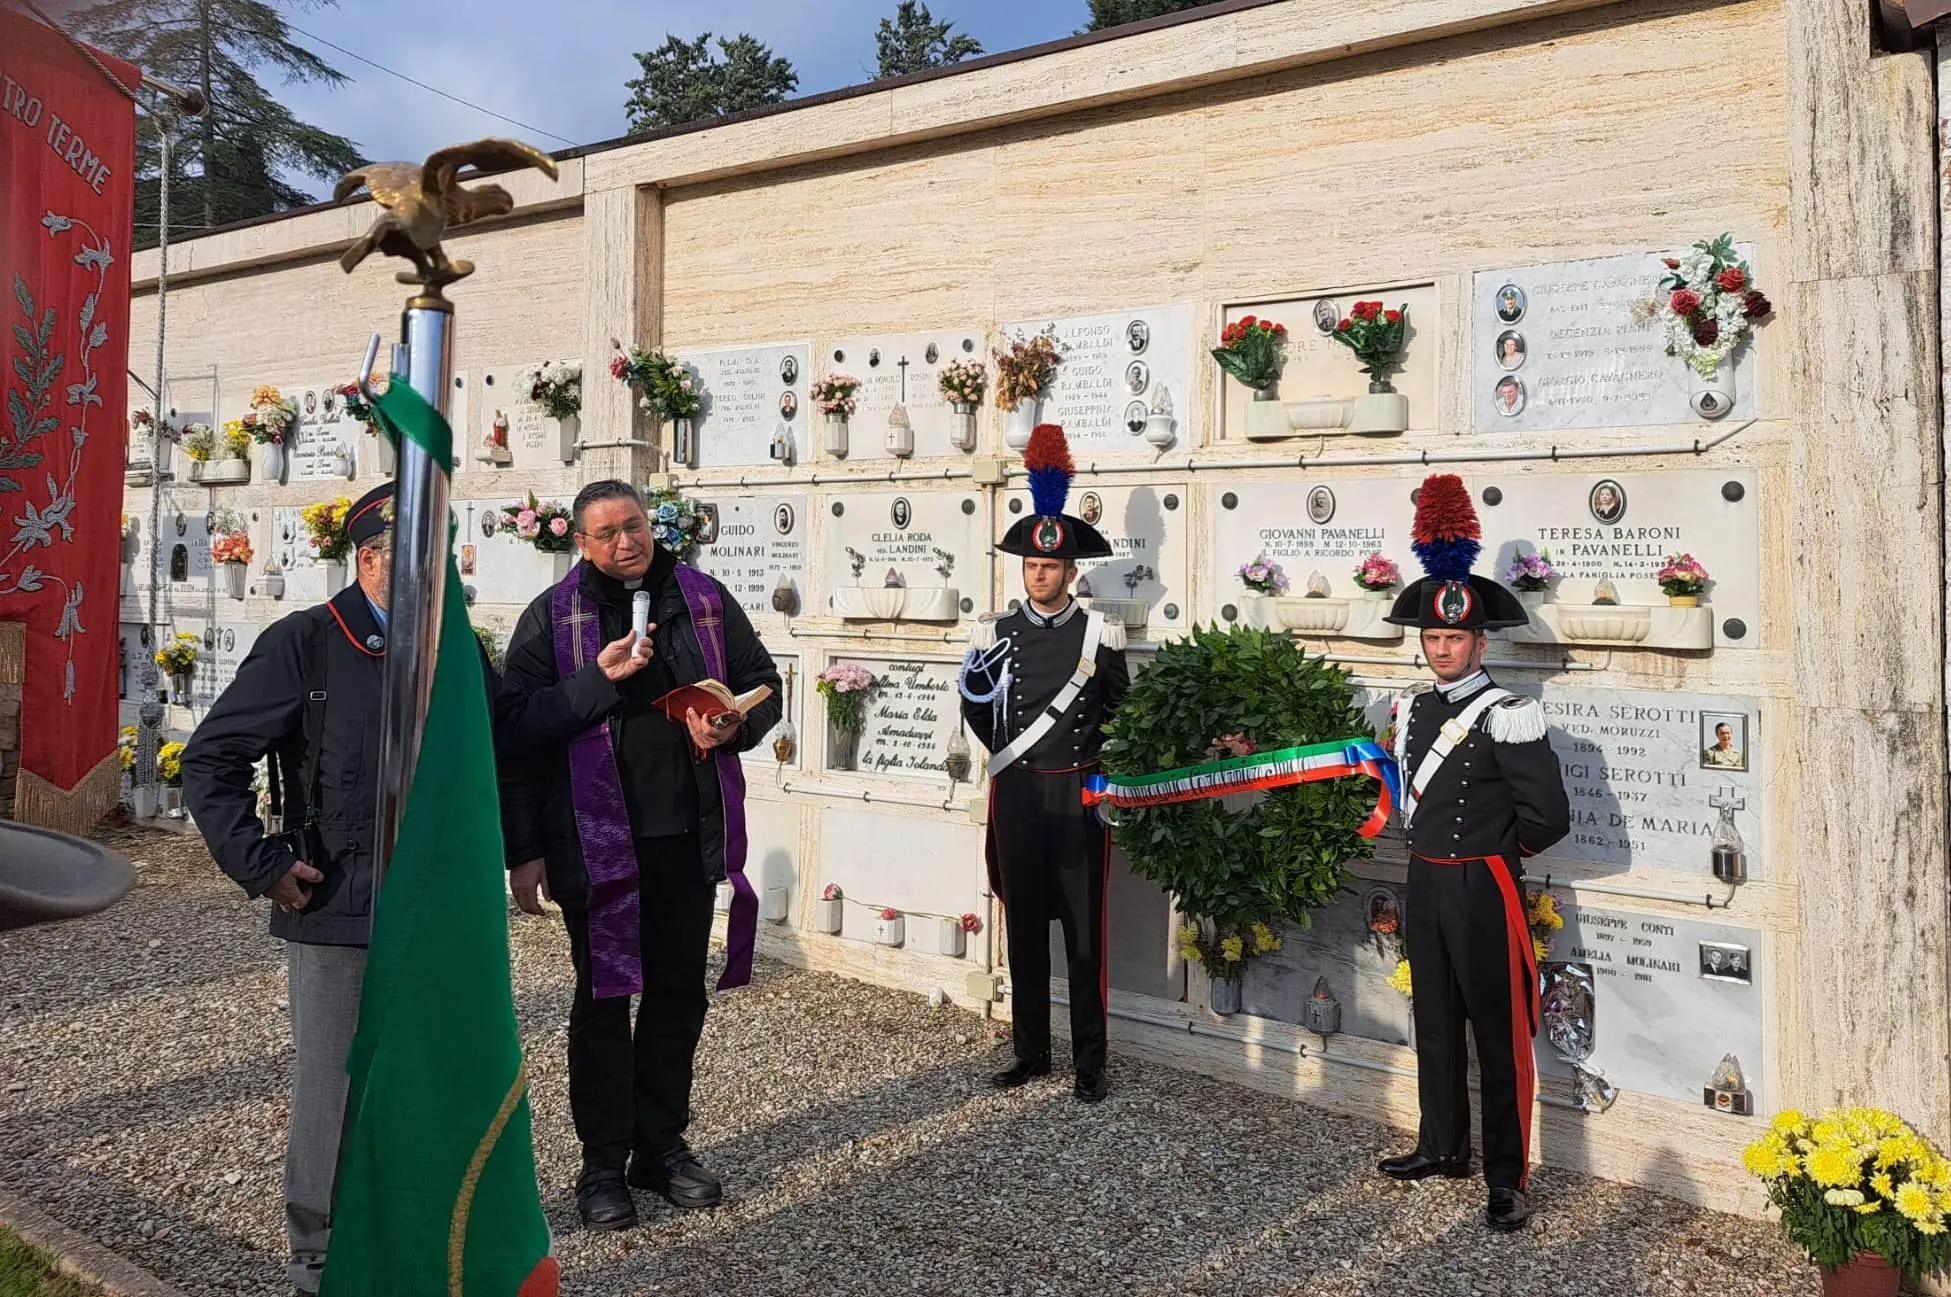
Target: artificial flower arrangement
<point>1263,576</point>
<point>1225,954</point>
<point>1375,335</point>
<point>663,387</point>
<point>178,657</point>
<point>675,523</point>
<point>1378,573</point>
<point>1682,577</point>
<point>125,747</point>
<point>1025,367</point>
<point>325,529</point>
<point>844,686</point>
<point>545,526</point>
<point>971,923</point>
<point>1252,350</point>
<point>1856,1181</point>
<point>963,382</point>
<point>1706,304</point>
<point>199,440</point>
<point>1541,915</point>
<point>169,764</point>
<point>357,407</point>
<point>558,389</point>
<point>834,394</point>
<point>272,414</point>
<point>232,545</point>
<point>236,441</point>
<point>1531,573</point>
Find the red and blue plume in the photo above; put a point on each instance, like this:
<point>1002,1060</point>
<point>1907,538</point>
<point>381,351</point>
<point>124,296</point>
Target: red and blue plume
<point>1445,535</point>
<point>1047,461</point>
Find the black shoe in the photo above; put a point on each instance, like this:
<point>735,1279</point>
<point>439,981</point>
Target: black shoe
<point>1508,1210</point>
<point>1420,1166</point>
<point>604,1202</point>
<point>678,1178</point>
<point>1020,1073</point>
<point>1091,1086</point>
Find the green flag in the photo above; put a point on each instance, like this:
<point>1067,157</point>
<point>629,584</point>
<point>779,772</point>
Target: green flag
<point>436,1189</point>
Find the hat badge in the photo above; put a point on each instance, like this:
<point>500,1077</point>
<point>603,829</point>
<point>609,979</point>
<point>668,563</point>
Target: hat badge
<point>1454,601</point>
<point>1047,535</point>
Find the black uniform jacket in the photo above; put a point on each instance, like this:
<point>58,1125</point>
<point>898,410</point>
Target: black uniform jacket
<point>545,711</point>
<point>264,710</point>
<point>1043,655</point>
<point>1499,793</point>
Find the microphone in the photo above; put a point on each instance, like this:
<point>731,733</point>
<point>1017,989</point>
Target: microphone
<point>640,620</point>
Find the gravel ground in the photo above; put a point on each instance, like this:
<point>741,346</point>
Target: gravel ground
<point>143,1061</point>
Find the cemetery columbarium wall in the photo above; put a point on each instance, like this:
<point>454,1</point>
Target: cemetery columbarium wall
<point>1136,195</point>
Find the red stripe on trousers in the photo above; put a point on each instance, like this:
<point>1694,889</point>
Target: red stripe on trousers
<point>1524,1003</point>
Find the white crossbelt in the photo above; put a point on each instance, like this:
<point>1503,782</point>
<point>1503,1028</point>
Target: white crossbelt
<point>1453,731</point>
<point>1034,732</point>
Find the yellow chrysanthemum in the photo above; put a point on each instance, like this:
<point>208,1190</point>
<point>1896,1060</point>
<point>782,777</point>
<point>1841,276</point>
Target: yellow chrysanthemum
<point>1232,948</point>
<point>1189,953</point>
<point>1264,939</point>
<point>1881,1183</point>
<point>1833,1165</point>
<point>1914,1201</point>
<point>1540,948</point>
<point>1400,980</point>
<point>1763,1158</point>
<point>1933,1226</point>
<point>1787,1121</point>
<point>1829,1130</point>
<point>1869,1209</point>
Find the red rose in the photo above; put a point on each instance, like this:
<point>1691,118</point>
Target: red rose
<point>1684,301</point>
<point>1368,310</point>
<point>1671,264</point>
<point>1732,280</point>
<point>1758,306</point>
<point>1280,330</point>
<point>618,365</point>
<point>1344,326</point>
<point>890,914</point>
<point>1392,316</point>
<point>1247,322</point>
<point>1707,332</point>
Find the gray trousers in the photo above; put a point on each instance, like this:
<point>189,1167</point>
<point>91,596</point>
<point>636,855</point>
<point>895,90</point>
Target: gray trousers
<point>325,986</point>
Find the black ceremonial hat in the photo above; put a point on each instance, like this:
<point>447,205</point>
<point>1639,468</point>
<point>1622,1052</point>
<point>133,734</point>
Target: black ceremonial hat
<point>1049,532</point>
<point>369,515</point>
<point>1446,538</point>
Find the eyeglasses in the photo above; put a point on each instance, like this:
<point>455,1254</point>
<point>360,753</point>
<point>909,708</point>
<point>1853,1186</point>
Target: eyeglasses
<point>635,529</point>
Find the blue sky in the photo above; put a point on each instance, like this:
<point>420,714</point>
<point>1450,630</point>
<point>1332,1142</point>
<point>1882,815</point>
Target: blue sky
<point>560,67</point>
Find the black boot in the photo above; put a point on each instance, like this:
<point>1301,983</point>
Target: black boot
<point>678,1178</point>
<point>604,1201</point>
<point>1420,1166</point>
<point>1091,1086</point>
<point>1020,1072</point>
<point>1508,1210</point>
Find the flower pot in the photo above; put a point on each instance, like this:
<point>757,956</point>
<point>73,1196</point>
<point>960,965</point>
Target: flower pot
<point>1865,1275</point>
<point>845,745</point>
<point>1383,411</point>
<point>890,932</point>
<point>1161,430</point>
<point>165,455</point>
<point>271,584</point>
<point>179,688</point>
<point>235,575</point>
<point>172,801</point>
<point>684,444</point>
<point>385,458</point>
<point>1317,413</point>
<point>836,435</point>
<point>1226,997</point>
<point>1683,601</point>
<point>962,427</point>
<point>950,940</point>
<point>1711,397</point>
<point>569,431</point>
<point>1018,424</point>
<point>1266,417</point>
<point>772,905</point>
<point>221,472</point>
<point>1531,598</point>
<point>142,801</point>
<point>828,915</point>
<point>275,462</point>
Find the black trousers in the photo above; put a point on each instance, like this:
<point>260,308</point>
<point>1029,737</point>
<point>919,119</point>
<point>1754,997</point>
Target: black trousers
<point>1471,960</point>
<point>1051,858</point>
<point>633,1091</point>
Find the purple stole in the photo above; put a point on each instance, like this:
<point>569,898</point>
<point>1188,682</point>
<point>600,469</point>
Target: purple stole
<point>603,819</point>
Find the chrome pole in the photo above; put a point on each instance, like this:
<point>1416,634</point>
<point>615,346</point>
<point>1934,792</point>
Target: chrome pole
<point>419,579</point>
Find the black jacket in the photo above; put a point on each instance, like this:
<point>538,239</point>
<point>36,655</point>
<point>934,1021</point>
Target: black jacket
<point>264,710</point>
<point>1043,655</point>
<point>1499,793</point>
<point>544,712</point>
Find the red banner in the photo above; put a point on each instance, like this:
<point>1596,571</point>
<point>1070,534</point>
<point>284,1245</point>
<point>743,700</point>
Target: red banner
<point>67,195</point>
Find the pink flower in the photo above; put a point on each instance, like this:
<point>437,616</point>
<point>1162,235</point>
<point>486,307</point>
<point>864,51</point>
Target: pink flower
<point>970,923</point>
<point>618,366</point>
<point>559,527</point>
<point>525,519</point>
<point>529,532</point>
<point>890,914</point>
<point>832,892</point>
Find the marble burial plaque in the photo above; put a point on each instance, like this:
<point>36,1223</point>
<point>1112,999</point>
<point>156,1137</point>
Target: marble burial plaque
<point>1595,527</point>
<point>323,448</point>
<point>1339,947</point>
<point>288,538</point>
<point>1316,365</point>
<point>1673,997</point>
<point>1555,346</point>
<point>1640,768</point>
<point>1116,362</point>
<point>750,394</point>
<point>932,869</point>
<point>912,713</point>
<point>772,846</point>
<point>534,439</point>
<point>793,709</point>
<point>502,568</point>
<point>1146,526</point>
<point>758,539</point>
<point>138,642</point>
<point>931,539</point>
<point>187,568</point>
<point>225,645</point>
<point>878,363</point>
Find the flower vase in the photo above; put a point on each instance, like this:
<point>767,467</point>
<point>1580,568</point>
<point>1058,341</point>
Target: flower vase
<point>1683,601</point>
<point>385,458</point>
<point>164,454</point>
<point>836,435</point>
<point>1226,997</point>
<point>569,431</point>
<point>172,801</point>
<point>1019,423</point>
<point>1864,1275</point>
<point>235,575</point>
<point>1531,598</point>
<point>271,584</point>
<point>275,463</point>
<point>828,915</point>
<point>891,932</point>
<point>950,939</point>
<point>179,688</point>
<point>1383,412</point>
<point>962,431</point>
<point>846,749</point>
<point>142,801</point>
<point>1711,397</point>
<point>1266,415</point>
<point>684,444</point>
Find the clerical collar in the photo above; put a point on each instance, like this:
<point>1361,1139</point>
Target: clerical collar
<point>1464,688</point>
<point>1049,619</point>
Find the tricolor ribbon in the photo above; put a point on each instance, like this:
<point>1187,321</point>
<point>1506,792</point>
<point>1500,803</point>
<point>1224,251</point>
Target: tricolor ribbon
<point>1278,769</point>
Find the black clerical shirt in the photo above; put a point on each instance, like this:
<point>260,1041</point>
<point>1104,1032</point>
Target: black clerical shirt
<point>653,755</point>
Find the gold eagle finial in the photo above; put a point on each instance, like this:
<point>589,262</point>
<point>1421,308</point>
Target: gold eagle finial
<point>420,202</point>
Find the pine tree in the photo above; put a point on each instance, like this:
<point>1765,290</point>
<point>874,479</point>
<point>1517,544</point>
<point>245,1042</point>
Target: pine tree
<point>1116,13</point>
<point>912,41</point>
<point>683,82</point>
<point>231,163</point>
